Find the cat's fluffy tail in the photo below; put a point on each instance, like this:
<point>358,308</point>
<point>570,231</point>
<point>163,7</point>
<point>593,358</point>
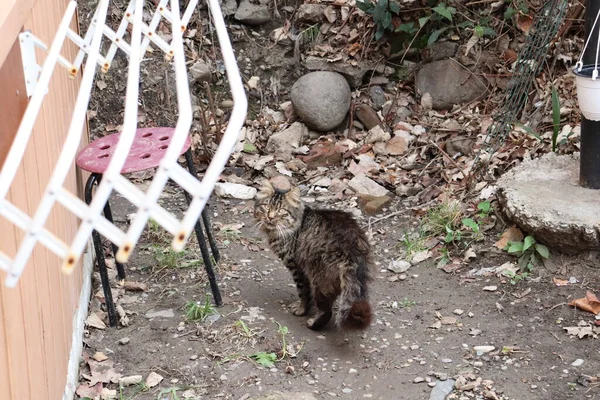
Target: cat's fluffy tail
<point>354,310</point>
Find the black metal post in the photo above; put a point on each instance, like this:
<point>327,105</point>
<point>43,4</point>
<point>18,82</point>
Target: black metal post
<point>589,162</point>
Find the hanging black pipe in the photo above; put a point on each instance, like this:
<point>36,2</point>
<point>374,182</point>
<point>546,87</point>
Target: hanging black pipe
<point>589,164</point>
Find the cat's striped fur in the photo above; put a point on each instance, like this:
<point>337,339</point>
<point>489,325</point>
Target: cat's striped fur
<point>326,252</point>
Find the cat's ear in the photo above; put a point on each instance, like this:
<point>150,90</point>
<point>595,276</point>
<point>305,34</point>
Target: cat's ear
<point>293,196</point>
<point>266,190</point>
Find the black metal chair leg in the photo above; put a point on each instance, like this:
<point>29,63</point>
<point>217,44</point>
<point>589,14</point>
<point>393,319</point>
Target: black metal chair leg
<point>214,287</point>
<point>209,235</point>
<point>115,249</point>
<point>108,299</point>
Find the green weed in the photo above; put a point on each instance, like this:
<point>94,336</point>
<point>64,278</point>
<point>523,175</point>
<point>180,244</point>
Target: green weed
<point>529,252</point>
<point>197,311</point>
<point>170,393</point>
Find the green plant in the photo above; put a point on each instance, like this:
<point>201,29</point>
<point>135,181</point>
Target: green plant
<point>555,118</point>
<point>170,393</point>
<point>382,13</point>
<point>265,359</point>
<point>197,311</point>
<point>166,257</point>
<point>405,303</point>
<point>443,218</point>
<point>268,359</point>
<point>485,208</point>
<point>139,388</point>
<point>530,253</point>
<point>413,243</point>
<point>515,277</point>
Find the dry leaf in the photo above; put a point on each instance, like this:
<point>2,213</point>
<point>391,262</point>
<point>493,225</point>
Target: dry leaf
<point>153,379</point>
<point>135,286</point>
<point>589,303</point>
<point>469,254</point>
<point>100,356</point>
<point>560,282</point>
<point>93,392</point>
<point>101,372</point>
<point>524,23</point>
<point>108,394</point>
<point>130,380</point>
<point>95,321</point>
<point>513,234</point>
<point>583,331</point>
<point>448,320</point>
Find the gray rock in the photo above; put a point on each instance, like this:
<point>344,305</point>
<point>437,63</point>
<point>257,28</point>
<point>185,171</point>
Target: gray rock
<point>377,97</point>
<point>228,7</point>
<point>321,99</point>
<point>362,184</point>
<point>449,83</point>
<point>235,190</point>
<point>309,12</point>
<point>544,197</point>
<point>253,14</point>
<point>160,314</point>
<point>283,143</point>
<point>353,73</point>
<point>399,266</point>
<point>367,116</point>
<point>200,72</point>
<point>442,389</point>
<point>440,50</point>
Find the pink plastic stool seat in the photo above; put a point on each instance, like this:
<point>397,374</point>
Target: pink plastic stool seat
<point>148,148</point>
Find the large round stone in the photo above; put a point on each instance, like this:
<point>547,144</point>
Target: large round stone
<point>321,99</point>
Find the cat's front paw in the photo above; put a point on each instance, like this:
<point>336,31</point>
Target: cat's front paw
<point>298,308</point>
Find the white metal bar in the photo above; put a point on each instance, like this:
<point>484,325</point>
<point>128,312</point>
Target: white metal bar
<point>182,129</point>
<point>65,159</point>
<point>154,23</point>
<point>17,150</point>
<point>126,137</point>
<point>120,33</point>
<point>137,198</point>
<point>236,122</point>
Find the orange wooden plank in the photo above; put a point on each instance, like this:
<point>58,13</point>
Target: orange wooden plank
<point>13,14</point>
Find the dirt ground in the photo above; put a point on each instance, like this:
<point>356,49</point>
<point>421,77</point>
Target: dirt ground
<point>427,322</point>
<point>524,322</point>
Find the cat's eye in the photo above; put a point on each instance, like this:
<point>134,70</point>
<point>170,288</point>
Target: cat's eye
<point>282,213</point>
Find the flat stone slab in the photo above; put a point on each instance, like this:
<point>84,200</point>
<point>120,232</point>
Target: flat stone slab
<point>544,198</point>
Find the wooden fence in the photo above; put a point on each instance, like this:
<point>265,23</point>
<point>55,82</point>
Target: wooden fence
<point>40,319</point>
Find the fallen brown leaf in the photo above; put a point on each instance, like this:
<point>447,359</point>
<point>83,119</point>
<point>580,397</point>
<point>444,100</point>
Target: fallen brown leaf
<point>99,356</point>
<point>92,392</point>
<point>95,321</point>
<point>153,379</point>
<point>524,23</point>
<point>512,234</point>
<point>560,282</point>
<point>589,303</point>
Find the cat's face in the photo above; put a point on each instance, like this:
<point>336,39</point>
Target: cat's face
<point>278,211</point>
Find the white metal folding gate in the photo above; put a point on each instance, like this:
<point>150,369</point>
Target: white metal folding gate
<point>37,79</point>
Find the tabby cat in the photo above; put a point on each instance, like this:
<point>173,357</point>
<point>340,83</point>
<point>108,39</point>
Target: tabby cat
<point>326,252</point>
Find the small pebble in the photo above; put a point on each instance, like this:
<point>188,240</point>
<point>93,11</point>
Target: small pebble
<point>194,357</point>
<point>352,371</point>
<point>125,340</point>
<point>418,379</point>
<point>431,384</point>
<point>446,360</point>
<point>346,390</point>
<point>577,362</point>
<point>458,311</point>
